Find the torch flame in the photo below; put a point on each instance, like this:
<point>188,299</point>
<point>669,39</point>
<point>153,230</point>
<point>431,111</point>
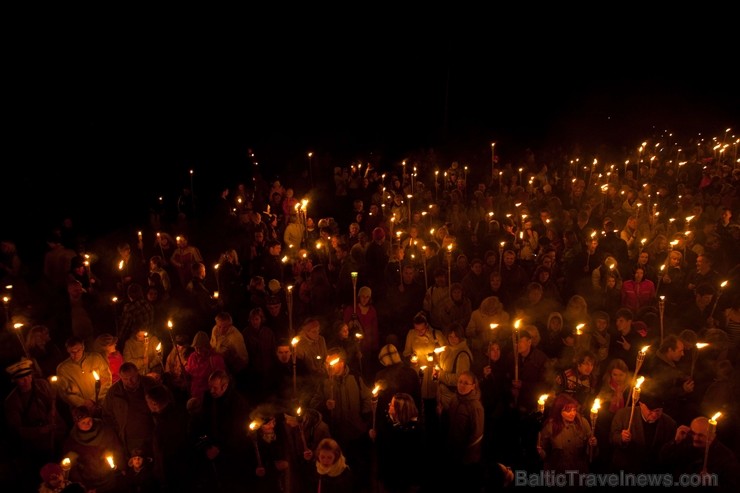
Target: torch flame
<point>159,347</point>
<point>597,405</point>
<point>715,418</point>
<point>439,349</point>
<point>700,345</point>
<point>96,376</point>
<point>543,398</point>
<point>53,379</point>
<point>294,341</point>
<point>639,382</point>
<point>517,323</point>
<point>644,349</point>
<point>120,265</point>
<point>724,283</point>
<point>66,462</point>
<point>334,361</point>
<point>112,464</point>
<point>376,389</point>
<point>253,425</point>
<point>169,324</point>
<point>493,326</point>
<point>579,329</point>
<point>298,411</point>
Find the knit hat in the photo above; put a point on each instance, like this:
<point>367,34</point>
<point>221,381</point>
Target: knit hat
<point>389,355</point>
<point>49,470</point>
<point>274,286</point>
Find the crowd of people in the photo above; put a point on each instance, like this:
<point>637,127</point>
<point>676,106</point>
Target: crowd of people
<point>420,337</point>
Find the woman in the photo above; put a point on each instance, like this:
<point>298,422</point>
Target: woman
<point>453,361</point>
<point>399,438</point>
<point>350,343</point>
<point>639,292</point>
<point>43,351</point>
<point>105,344</point>
<point>367,316</point>
<point>159,277</point>
<point>465,433</point>
<point>201,363</point>
<point>565,438</point>
<point>491,311</point>
<point>92,441</point>
<point>613,394</point>
<point>333,475</point>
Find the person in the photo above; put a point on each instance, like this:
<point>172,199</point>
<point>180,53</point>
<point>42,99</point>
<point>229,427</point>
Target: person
<point>125,409</point>
<point>138,313</point>
<point>89,445</point>
<point>627,342</point>
<point>565,437</point>
<point>170,442</point>
<point>332,475</point>
<point>490,311</point>
<point>664,367</point>
<point>400,440</point>
<point>639,292</point>
<point>367,316</point>
<point>346,400</point>
<point>695,444</point>
<point>77,385</point>
<point>228,341</point>
<point>106,345</point>
<point>421,341</point>
<point>35,429</point>
<point>464,437</point>
<point>175,374</point>
<point>396,376</point>
<point>579,380</point>
<point>138,476</point>
<point>350,343</point>
<point>45,352</point>
<point>453,361</point>
<point>201,363</point>
<point>261,345</point>
<point>220,423</point>
<point>311,348</point>
<point>52,476</point>
<point>271,451</point>
<point>183,258</point>
<point>636,447</point>
<point>532,362</point>
<point>141,350</point>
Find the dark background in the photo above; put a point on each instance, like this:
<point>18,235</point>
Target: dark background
<point>103,121</point>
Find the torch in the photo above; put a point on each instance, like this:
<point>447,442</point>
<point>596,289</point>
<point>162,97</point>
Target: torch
<point>332,363</point>
<point>293,343</point>
<point>354,292</point>
<point>300,429</point>
<point>53,414</point>
<point>97,385</point>
<point>146,352</point>
<point>490,340</point>
<point>113,302</point>
<point>661,309</point>
<point>695,355</point>
<point>714,307</point>
<point>374,402</point>
<point>515,341</point>
<point>289,301</point>
<point>594,414</point>
<point>449,268</point>
<point>18,328</point>
<point>110,461</point>
<point>635,397</point>
<point>174,346</point>
<point>66,466</point>
<point>253,427</point>
<point>579,333</point>
<point>218,282</point>
<point>500,255</point>
<point>710,438</point>
<point>640,360</point>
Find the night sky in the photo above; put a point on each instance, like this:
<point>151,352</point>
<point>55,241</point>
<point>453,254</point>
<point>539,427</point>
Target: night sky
<point>120,120</point>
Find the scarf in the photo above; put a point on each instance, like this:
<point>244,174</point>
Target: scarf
<point>92,437</point>
<point>617,402</point>
<point>334,470</point>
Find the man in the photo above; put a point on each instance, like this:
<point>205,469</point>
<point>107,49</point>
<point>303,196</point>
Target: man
<point>704,274</point>
<point>677,387</point>
<point>221,425</point>
<point>687,451</point>
<point>169,439</point>
<point>636,448</point>
<point>36,430</point>
<point>627,342</point>
<point>629,235</point>
<point>229,342</point>
<point>125,408</point>
<point>696,313</point>
<point>77,384</point>
<point>311,348</point>
<point>531,380</point>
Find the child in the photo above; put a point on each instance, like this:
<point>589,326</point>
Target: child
<point>138,476</point>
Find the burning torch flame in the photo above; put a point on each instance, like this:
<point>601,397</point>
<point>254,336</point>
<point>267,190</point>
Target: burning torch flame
<point>644,349</point>
<point>639,382</point>
<point>597,405</point>
<point>376,389</point>
<point>112,464</point>
<point>334,361</point>
<point>439,349</point>
<point>714,418</point>
<point>253,425</point>
<point>700,345</point>
<point>96,376</point>
<point>543,398</point>
<point>120,265</point>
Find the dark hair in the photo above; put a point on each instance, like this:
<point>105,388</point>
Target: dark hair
<point>159,394</point>
<point>128,367</point>
<point>625,313</point>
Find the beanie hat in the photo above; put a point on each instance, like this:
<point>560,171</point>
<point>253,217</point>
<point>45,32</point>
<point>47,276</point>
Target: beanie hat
<point>389,355</point>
